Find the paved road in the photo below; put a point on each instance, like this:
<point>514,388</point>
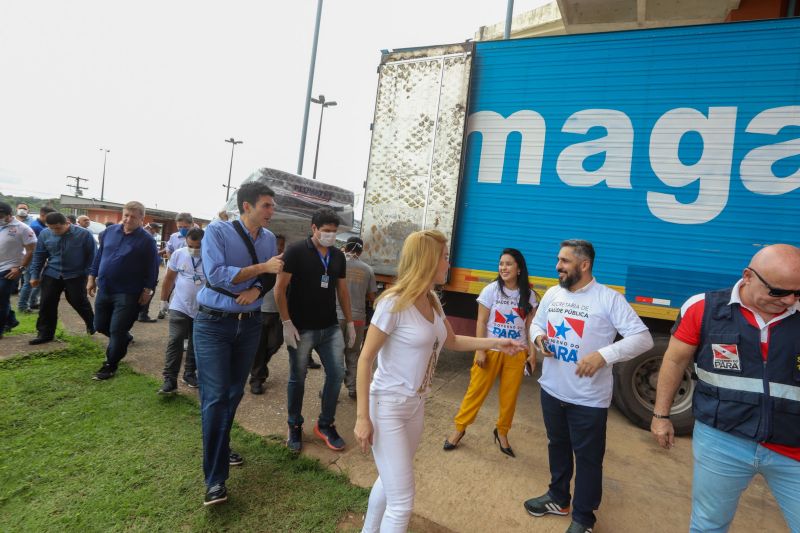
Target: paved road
<point>476,488</point>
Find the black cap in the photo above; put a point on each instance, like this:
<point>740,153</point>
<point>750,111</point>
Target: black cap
<point>5,209</point>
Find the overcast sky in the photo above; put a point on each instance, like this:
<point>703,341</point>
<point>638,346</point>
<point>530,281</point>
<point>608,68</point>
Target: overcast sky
<point>162,84</point>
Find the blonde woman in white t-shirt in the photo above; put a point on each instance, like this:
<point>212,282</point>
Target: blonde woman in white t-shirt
<point>505,309</point>
<point>406,335</point>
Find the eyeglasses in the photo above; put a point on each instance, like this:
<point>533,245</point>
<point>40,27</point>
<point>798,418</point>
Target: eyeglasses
<point>774,291</point>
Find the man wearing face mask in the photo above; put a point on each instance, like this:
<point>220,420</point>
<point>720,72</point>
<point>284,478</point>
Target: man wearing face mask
<point>178,239</point>
<point>23,214</point>
<point>28,295</point>
<point>17,242</point>
<point>68,251</point>
<point>315,272</point>
<point>184,275</point>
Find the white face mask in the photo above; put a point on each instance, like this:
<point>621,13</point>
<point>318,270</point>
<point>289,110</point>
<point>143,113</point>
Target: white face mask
<point>22,212</point>
<point>327,238</point>
<point>194,252</point>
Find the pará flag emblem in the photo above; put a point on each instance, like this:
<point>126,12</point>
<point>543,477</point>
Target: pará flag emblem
<point>726,357</point>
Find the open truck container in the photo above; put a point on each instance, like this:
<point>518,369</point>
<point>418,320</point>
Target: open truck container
<point>675,151</point>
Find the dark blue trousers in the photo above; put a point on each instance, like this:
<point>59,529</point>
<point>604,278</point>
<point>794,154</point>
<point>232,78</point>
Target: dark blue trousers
<point>579,430</point>
<point>224,349</point>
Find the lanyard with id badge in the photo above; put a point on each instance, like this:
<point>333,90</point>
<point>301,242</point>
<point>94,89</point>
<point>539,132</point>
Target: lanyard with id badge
<point>198,280</point>
<point>325,280</point>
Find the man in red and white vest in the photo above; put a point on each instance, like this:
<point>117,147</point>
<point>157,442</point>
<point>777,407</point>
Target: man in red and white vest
<point>745,344</point>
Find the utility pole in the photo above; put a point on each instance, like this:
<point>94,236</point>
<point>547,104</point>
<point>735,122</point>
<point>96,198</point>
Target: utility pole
<point>103,184</point>
<point>77,186</point>
<point>308,90</point>
<point>233,142</point>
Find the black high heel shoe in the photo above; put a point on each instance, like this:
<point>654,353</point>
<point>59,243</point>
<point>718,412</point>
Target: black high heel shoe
<point>448,446</point>
<point>508,451</point>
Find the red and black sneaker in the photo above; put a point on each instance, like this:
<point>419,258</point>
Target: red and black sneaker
<point>330,436</point>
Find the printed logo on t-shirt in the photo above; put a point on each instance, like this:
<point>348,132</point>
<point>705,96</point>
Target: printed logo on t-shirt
<point>507,325</point>
<point>726,357</point>
<point>565,332</point>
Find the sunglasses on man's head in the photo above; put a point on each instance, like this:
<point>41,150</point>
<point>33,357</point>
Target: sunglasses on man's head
<point>774,291</point>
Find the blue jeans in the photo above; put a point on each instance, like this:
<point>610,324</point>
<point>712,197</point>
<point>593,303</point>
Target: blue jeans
<point>224,349</point>
<point>723,467</point>
<point>6,287</point>
<point>114,316</point>
<point>580,430</point>
<point>329,344</point>
<point>27,295</point>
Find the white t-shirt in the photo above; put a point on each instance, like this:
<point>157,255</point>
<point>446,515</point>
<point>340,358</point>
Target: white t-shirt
<point>14,236</point>
<point>407,359</point>
<point>577,324</point>
<point>505,316</point>
<point>188,282</point>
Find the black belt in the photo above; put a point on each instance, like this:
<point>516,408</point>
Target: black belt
<point>226,314</point>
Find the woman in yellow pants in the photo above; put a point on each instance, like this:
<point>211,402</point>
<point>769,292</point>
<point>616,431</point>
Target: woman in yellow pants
<point>505,309</point>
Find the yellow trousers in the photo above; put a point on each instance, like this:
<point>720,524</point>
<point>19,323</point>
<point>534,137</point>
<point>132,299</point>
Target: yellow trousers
<point>510,369</point>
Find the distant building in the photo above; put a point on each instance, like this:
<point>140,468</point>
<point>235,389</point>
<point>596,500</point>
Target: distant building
<point>105,211</point>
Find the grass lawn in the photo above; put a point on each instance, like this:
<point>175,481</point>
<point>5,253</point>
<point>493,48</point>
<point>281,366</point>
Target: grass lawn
<point>79,455</point>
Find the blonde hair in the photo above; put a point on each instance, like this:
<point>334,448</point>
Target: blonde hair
<point>135,206</point>
<point>419,262</point>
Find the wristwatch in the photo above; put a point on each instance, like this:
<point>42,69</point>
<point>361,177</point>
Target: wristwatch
<point>660,417</point>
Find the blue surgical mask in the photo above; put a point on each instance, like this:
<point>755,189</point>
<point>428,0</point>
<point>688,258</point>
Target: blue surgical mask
<point>183,231</point>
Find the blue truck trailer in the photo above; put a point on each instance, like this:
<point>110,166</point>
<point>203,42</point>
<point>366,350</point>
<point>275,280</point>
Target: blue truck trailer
<point>675,151</point>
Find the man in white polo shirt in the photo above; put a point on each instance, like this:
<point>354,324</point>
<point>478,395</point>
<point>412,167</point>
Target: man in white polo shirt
<point>185,275</point>
<point>575,327</point>
<point>17,242</point>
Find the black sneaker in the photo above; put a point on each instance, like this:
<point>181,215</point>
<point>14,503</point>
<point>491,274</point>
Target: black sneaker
<point>575,527</point>
<point>330,436</point>
<point>234,459</point>
<point>147,319</point>
<point>257,387</point>
<point>169,387</point>
<point>35,306</point>
<point>545,505</point>
<point>295,440</point>
<point>190,380</point>
<point>105,372</point>
<point>40,340</point>
<point>162,315</point>
<point>216,494</point>
<point>90,330</point>
<point>12,325</point>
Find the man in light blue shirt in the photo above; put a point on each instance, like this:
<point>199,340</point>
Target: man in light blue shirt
<point>240,262</point>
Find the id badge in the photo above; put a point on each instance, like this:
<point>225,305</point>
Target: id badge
<point>324,281</point>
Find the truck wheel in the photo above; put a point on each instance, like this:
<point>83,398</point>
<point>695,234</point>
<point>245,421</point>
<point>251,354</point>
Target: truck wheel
<point>635,390</point>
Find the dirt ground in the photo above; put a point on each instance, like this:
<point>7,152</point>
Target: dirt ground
<point>475,488</point>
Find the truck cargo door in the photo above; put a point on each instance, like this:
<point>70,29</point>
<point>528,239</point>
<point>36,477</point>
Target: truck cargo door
<point>415,153</point>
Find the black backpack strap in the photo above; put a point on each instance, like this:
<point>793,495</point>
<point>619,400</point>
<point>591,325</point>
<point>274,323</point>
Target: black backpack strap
<point>266,281</point>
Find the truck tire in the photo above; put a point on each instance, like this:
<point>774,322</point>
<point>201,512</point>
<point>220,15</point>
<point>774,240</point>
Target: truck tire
<point>635,390</point>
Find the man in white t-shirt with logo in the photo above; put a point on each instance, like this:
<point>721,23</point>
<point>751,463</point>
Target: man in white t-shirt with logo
<point>575,327</point>
<point>185,275</point>
<point>17,242</point>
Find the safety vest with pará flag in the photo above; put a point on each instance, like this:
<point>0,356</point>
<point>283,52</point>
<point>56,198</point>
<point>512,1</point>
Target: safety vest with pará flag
<point>739,392</point>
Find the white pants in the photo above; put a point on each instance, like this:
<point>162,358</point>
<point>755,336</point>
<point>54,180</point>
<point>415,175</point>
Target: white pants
<point>397,422</point>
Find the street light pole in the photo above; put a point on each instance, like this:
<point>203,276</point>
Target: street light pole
<point>323,103</point>
<point>307,102</point>
<point>103,184</point>
<point>233,142</point>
